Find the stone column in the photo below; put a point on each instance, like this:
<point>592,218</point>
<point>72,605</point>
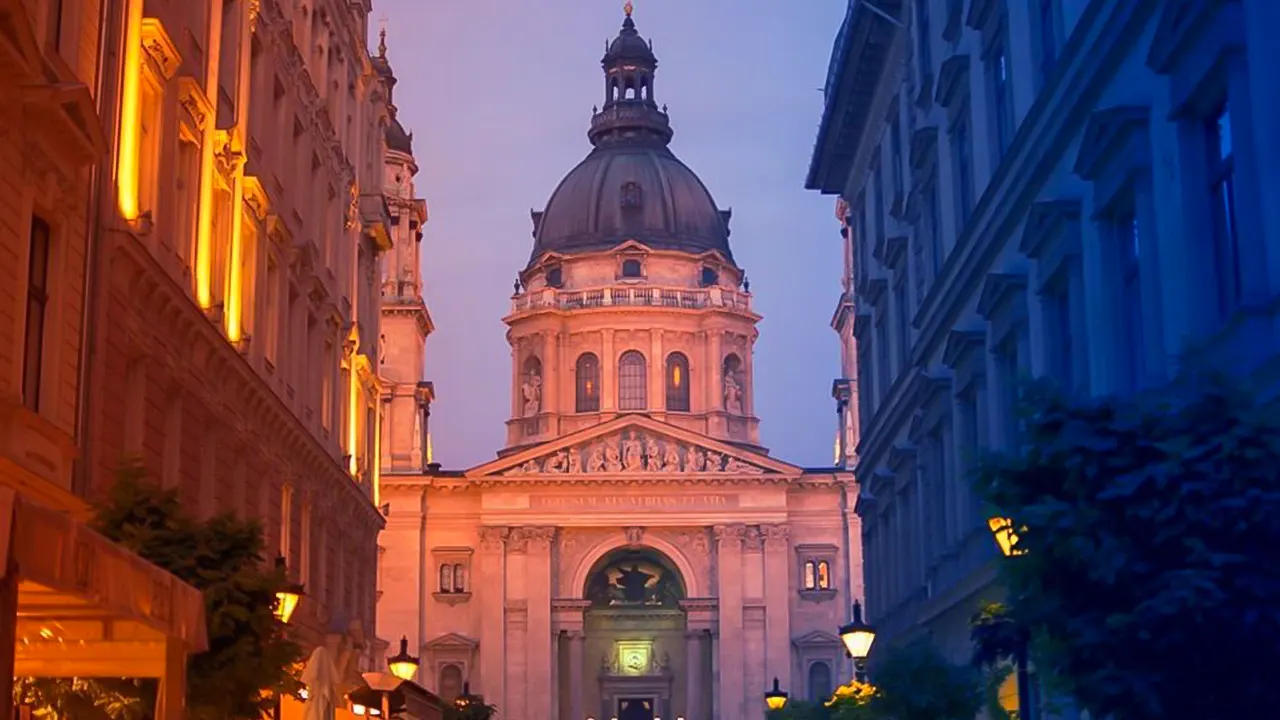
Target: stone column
<point>695,674</point>
<point>732,669</point>
<point>551,370</point>
<point>777,599</point>
<point>538,645</point>
<point>577,644</point>
<point>491,576</point>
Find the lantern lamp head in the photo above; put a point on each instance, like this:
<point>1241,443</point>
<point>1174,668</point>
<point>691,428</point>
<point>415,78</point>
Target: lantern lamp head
<point>1006,537</point>
<point>402,664</point>
<point>775,699</point>
<point>857,635</point>
<point>287,597</point>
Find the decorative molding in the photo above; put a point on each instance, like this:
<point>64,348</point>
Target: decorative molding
<point>998,290</point>
<point>635,535</point>
<point>753,539</point>
<point>960,343</point>
<point>952,80</point>
<point>493,538</point>
<point>1112,136</point>
<point>192,98</point>
<point>728,536</point>
<point>1046,221</point>
<point>631,451</point>
<point>160,47</point>
<point>923,141</point>
<point>451,598</point>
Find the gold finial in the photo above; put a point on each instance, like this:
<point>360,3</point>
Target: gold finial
<point>628,8</point>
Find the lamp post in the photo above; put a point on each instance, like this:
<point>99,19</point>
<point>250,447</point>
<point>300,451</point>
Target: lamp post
<point>1007,539</point>
<point>287,598</point>
<point>402,664</point>
<point>857,637</point>
<point>775,699</point>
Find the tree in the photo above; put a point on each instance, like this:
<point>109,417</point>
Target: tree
<point>1148,528</point>
<point>915,682</point>
<point>249,661</point>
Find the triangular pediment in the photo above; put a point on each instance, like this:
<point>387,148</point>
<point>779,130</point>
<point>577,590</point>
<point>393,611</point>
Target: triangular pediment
<point>635,445</point>
<point>451,640</point>
<point>817,639</point>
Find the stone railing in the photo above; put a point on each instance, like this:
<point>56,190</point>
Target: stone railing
<point>632,296</point>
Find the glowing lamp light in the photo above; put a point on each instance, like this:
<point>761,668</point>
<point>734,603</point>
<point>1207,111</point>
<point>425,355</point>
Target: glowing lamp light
<point>286,598</point>
<point>402,664</point>
<point>675,376</point>
<point>1006,537</point>
<point>358,709</point>
<point>857,635</point>
<point>775,699</point>
<point>304,694</point>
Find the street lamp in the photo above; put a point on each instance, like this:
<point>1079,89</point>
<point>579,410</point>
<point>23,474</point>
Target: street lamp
<point>775,699</point>
<point>384,684</point>
<point>402,664</point>
<point>1007,539</point>
<point>1006,536</point>
<point>287,597</point>
<point>857,637</point>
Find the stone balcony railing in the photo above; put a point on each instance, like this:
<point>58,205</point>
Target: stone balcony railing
<point>631,296</point>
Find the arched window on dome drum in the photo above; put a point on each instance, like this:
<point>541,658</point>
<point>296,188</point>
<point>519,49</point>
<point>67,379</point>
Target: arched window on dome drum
<point>677,382</point>
<point>588,381</point>
<point>631,382</point>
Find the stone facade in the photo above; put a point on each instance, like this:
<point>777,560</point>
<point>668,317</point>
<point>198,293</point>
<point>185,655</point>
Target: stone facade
<point>633,552</point>
<point>1073,189</point>
<point>233,325</point>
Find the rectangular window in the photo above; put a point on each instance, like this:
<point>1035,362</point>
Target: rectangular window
<point>187,203</point>
<point>221,235</point>
<point>924,53</point>
<point>903,307</point>
<point>1057,309</point>
<point>864,388</point>
<point>933,226</point>
<point>1007,369</point>
<point>1128,251</point>
<point>326,386</point>
<point>962,162</point>
<point>271,311</point>
<point>286,521</point>
<point>1048,37</point>
<point>1001,89</point>
<point>895,150</point>
<point>878,209</point>
<point>248,273</point>
<point>884,370</point>
<point>150,99</point>
<point>1222,189</point>
<point>37,309</point>
<point>304,544</point>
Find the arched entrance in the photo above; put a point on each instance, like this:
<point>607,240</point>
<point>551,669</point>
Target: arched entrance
<point>635,635</point>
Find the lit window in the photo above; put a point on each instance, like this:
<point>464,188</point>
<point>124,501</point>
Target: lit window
<point>677,382</point>
<point>810,575</point>
<point>824,575</point>
<point>459,578</point>
<point>446,578</point>
<point>588,383</point>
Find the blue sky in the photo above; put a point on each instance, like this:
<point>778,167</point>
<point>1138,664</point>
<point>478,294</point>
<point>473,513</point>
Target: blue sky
<point>499,96</point>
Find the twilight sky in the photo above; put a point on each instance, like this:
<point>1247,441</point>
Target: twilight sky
<point>499,96</point>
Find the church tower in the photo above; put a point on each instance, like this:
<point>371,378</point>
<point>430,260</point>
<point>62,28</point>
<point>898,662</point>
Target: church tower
<point>631,301</point>
<point>405,321</point>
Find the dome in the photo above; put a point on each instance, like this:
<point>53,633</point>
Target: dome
<point>622,192</point>
<point>630,186</point>
<point>397,139</point>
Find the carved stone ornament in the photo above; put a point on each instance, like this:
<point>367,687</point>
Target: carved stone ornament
<point>492,538</point>
<point>635,535</point>
<point>729,533</point>
<point>754,539</point>
<point>634,451</point>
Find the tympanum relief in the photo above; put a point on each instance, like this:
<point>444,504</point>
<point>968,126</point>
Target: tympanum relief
<point>633,451</point>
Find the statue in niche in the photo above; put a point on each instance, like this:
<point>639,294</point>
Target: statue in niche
<point>595,460</point>
<point>612,459</point>
<point>634,583</point>
<point>671,458</point>
<point>713,461</point>
<point>532,390</point>
<point>631,455</point>
<point>575,461</point>
<point>732,393</point>
<point>697,460</point>
<point>653,454</point>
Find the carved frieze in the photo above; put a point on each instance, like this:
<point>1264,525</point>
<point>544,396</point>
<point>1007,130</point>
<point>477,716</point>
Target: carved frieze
<point>754,538</point>
<point>634,451</point>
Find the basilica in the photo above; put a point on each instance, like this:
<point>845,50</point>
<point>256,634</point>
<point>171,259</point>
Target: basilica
<point>633,552</point>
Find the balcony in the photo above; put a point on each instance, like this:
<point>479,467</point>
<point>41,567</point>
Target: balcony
<point>632,296</point>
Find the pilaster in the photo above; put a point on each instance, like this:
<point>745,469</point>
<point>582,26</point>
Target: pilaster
<point>777,598</point>
<point>732,669</point>
<point>538,646</point>
<point>490,575</point>
<point>608,374</point>
<point>700,621</point>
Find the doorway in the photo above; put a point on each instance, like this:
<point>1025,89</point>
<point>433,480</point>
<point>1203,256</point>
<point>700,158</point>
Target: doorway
<point>635,708</point>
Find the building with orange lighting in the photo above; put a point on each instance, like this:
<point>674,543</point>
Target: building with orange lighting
<point>232,326</point>
<point>72,603</point>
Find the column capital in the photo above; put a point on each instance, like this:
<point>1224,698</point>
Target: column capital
<point>776,537</point>
<point>728,535</point>
<point>576,635</point>
<point>492,538</point>
<point>754,538</point>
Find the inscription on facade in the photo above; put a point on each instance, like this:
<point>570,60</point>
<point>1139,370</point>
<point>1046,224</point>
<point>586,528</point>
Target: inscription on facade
<point>700,501</point>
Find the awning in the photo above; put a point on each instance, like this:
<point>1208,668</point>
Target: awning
<point>87,607</point>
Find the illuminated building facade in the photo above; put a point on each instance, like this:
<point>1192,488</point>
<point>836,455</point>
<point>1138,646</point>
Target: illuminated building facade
<point>633,552</point>
<point>235,305</point>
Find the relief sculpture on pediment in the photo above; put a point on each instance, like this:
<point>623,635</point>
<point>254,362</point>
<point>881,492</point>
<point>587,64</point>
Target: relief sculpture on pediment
<point>635,451</point>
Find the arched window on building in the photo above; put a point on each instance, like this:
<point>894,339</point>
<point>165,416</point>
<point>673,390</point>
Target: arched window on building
<point>446,578</point>
<point>459,578</point>
<point>588,383</point>
<point>631,382</point>
<point>677,382</point>
<point>450,686</point>
<point>824,575</point>
<point>820,682</point>
<point>810,575</point>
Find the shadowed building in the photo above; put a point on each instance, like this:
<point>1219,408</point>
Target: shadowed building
<point>633,551</point>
